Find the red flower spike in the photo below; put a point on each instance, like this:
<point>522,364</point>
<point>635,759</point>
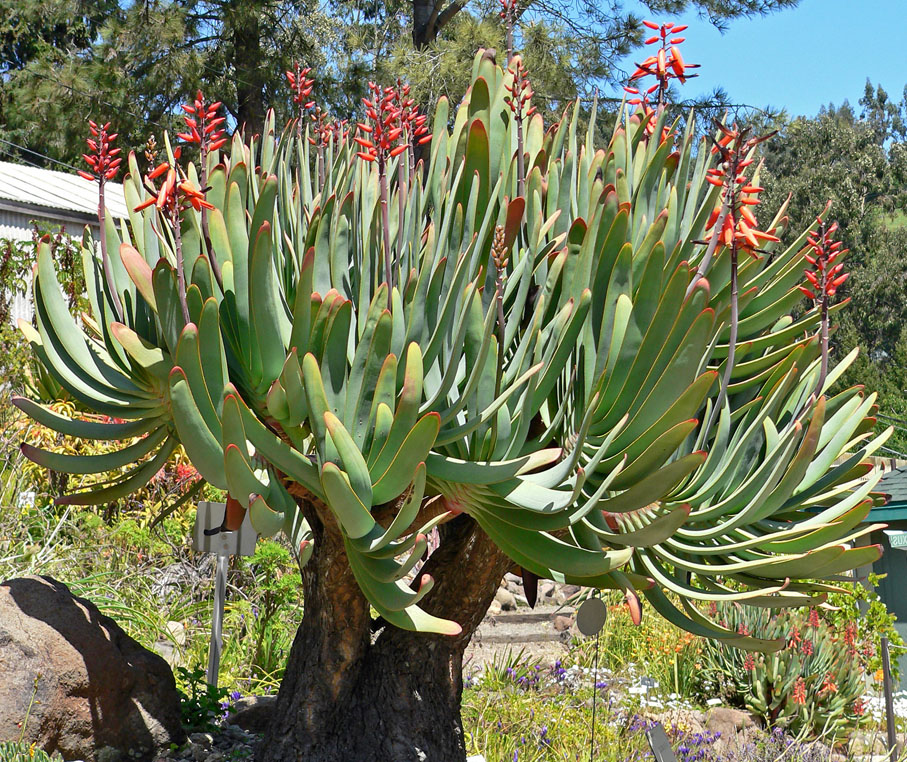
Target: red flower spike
<point>521,91</point>
<point>392,123</point>
<point>301,85</point>
<point>822,251</point>
<point>102,157</point>
<point>205,129</point>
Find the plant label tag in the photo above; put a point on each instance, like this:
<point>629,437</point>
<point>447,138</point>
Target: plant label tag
<point>591,616</point>
<point>209,517</point>
<point>659,743</point>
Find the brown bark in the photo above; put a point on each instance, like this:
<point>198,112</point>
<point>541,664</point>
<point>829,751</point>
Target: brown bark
<point>430,17</point>
<point>358,689</point>
<point>242,21</point>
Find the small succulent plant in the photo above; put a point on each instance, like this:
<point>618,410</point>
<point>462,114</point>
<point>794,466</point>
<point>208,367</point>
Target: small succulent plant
<point>814,684</point>
<point>22,751</point>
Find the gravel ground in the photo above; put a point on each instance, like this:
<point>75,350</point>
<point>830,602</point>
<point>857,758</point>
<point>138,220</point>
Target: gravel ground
<point>227,743</point>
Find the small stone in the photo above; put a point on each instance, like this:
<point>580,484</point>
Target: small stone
<point>563,623</point>
<point>506,599</point>
<point>204,738</point>
<point>215,757</point>
<point>177,631</point>
<point>199,753</point>
<point>546,590</point>
<point>495,608</point>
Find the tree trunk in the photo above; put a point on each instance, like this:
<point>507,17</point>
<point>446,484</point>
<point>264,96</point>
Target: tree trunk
<point>357,689</point>
<point>243,29</point>
<point>422,23</point>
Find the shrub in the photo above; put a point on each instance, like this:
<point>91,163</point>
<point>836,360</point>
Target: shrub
<point>20,751</point>
<point>814,685</point>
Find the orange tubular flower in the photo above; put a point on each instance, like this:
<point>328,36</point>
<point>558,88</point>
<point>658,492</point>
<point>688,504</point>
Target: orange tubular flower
<point>302,86</point>
<point>828,684</point>
<point>520,91</point>
<point>825,276</point>
<point>103,159</point>
<point>174,195</point>
<point>799,695</point>
<point>667,63</point>
<point>204,126</point>
<point>740,225</point>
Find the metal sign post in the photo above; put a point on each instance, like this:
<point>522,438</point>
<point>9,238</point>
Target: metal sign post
<point>209,517</point>
<point>889,700</point>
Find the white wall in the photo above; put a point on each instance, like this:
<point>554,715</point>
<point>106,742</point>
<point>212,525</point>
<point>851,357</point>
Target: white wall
<point>17,226</point>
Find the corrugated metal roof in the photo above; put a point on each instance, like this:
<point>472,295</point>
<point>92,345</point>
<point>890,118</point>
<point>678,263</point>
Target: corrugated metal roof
<point>63,191</point>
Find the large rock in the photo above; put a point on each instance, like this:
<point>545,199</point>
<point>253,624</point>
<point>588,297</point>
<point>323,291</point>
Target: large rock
<point>735,727</point>
<point>94,692</point>
<point>253,713</point>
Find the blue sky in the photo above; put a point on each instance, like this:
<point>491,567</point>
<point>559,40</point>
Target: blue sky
<point>801,59</point>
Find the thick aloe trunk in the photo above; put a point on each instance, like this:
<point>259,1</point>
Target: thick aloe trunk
<point>355,689</point>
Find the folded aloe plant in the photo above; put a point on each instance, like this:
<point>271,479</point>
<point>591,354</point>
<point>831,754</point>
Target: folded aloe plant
<point>508,323</point>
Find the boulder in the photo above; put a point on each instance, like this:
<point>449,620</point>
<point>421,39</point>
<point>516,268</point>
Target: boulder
<point>90,692</point>
<point>735,726</point>
<point>253,713</point>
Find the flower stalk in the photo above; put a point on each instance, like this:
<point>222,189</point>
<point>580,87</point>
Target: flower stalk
<point>508,16</point>
<point>104,164</point>
<point>734,226</point>
<point>521,93</point>
<point>175,195</point>
<point>391,128</point>
<point>824,277</point>
<point>204,128</point>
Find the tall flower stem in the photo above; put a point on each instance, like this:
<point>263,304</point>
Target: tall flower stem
<point>105,258</point>
<point>732,337</point>
<point>180,271</point>
<point>385,228</point>
<point>520,159</point>
<point>203,181</point>
<point>713,244</point>
<point>729,208</point>
<point>402,193</point>
<point>823,371</point>
<point>509,24</point>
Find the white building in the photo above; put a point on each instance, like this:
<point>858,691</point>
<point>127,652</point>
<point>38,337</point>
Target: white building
<point>53,200</point>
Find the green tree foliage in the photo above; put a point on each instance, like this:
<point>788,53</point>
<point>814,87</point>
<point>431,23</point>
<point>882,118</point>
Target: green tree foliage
<point>859,162</point>
<point>134,62</point>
